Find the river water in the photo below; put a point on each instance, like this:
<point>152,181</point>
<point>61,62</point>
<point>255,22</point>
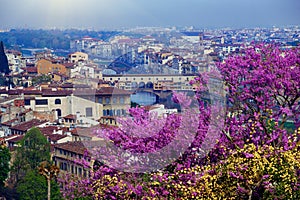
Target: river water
<point>143,98</point>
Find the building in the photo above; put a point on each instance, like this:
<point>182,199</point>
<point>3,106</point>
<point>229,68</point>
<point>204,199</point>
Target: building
<point>22,128</point>
<point>114,100</point>
<point>65,154</point>
<point>77,57</point>
<point>46,66</point>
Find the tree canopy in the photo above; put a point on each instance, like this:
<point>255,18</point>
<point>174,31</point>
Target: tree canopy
<point>34,186</point>
<point>33,149</point>
<point>4,164</point>
<point>4,68</point>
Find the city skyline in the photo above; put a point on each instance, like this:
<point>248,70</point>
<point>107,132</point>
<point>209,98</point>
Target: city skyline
<point>116,14</point>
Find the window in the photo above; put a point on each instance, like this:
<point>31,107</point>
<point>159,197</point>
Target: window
<point>57,101</point>
<point>122,100</point>
<point>100,100</point>
<point>89,112</point>
<point>107,100</point>
<point>104,113</point>
<point>115,100</point>
<point>58,112</point>
<point>27,102</point>
<point>118,112</point>
<point>65,167</point>
<point>41,102</point>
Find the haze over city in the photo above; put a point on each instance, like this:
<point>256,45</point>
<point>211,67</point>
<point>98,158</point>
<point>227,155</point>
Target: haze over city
<point>99,14</point>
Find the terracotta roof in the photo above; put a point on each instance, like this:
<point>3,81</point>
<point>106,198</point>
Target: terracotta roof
<point>67,85</point>
<point>69,65</point>
<point>70,116</point>
<point>28,125</point>
<point>48,129</point>
<point>55,137</point>
<point>31,69</point>
<point>9,123</point>
<point>47,92</point>
<point>109,117</point>
<point>112,90</point>
<point>148,108</point>
<point>76,147</point>
<point>25,92</point>
<point>13,52</point>
<point>83,132</point>
<point>15,139</point>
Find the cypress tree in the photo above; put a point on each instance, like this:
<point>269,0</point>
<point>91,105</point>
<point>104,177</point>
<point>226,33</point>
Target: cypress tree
<point>3,60</point>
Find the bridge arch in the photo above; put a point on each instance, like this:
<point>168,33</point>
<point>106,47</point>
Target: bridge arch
<point>142,85</point>
<point>149,85</point>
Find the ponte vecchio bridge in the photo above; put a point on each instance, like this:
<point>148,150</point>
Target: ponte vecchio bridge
<point>156,83</point>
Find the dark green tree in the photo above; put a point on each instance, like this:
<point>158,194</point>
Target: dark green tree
<point>33,186</point>
<point>4,68</point>
<point>33,149</point>
<point>4,164</point>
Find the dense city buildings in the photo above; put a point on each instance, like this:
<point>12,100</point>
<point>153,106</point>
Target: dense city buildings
<point>92,85</point>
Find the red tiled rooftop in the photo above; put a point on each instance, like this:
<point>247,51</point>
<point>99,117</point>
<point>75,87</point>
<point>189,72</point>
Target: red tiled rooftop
<point>48,129</point>
<point>28,125</point>
<point>50,92</point>
<point>83,132</point>
<point>31,69</point>
<point>9,122</point>
<point>111,90</point>
<point>78,146</point>
<point>15,139</point>
<point>75,147</point>
<point>70,116</point>
<point>55,137</point>
<point>69,65</point>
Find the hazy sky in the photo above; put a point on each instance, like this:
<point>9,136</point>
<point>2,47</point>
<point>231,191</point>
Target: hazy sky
<point>132,13</point>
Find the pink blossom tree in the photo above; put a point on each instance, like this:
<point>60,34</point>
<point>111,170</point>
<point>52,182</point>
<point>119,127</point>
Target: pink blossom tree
<point>174,157</point>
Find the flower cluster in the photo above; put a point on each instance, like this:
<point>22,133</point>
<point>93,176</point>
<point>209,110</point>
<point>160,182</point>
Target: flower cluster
<point>253,153</point>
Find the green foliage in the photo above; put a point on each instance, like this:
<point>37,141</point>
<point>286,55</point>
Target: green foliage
<point>4,68</point>
<point>41,79</point>
<point>34,186</point>
<point>34,148</point>
<point>134,104</point>
<point>4,164</point>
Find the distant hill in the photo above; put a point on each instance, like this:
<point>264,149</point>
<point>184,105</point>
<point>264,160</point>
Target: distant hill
<point>51,39</point>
